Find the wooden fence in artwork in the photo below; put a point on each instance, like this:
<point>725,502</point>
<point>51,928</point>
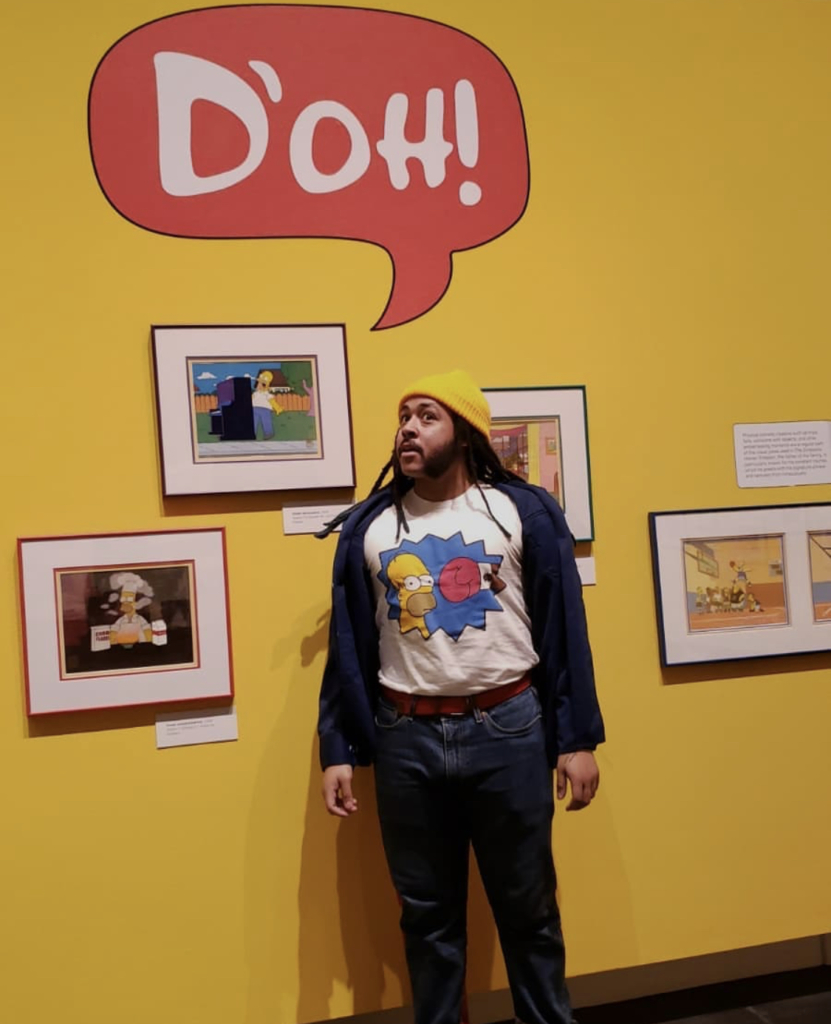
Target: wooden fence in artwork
<point>289,403</point>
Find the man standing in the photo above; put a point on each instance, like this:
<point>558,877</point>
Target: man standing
<point>459,664</point>
<point>263,403</point>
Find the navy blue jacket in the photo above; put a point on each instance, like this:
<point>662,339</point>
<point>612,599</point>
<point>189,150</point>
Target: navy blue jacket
<point>564,677</point>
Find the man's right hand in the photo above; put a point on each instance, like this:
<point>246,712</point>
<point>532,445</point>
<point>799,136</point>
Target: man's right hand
<point>337,790</point>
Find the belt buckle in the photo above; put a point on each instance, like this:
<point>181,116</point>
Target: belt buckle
<point>469,705</point>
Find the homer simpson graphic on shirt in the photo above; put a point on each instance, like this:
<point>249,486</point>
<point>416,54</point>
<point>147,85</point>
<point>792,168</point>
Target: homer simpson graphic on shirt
<point>439,583</point>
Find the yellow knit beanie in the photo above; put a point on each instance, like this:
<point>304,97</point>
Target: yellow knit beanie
<point>458,391</point>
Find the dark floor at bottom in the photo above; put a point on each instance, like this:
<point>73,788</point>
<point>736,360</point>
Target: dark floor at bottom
<point>795,997</point>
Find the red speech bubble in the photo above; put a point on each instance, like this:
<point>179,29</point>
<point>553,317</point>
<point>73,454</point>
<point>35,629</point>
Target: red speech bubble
<point>323,122</point>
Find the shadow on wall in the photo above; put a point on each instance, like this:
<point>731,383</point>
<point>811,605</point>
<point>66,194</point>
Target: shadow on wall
<point>320,912</point>
<point>359,927</point>
<point>818,661</point>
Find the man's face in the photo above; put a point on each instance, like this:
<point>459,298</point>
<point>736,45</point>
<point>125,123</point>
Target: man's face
<point>426,442</point>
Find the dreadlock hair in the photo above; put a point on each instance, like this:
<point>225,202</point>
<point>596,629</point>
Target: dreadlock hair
<point>481,462</point>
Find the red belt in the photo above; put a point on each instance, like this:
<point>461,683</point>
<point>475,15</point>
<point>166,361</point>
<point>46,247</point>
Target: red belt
<point>414,704</point>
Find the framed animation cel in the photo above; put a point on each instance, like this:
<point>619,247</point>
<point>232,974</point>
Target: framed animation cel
<point>122,619</point>
<point>743,582</point>
<point>541,435</point>
<point>253,408</point>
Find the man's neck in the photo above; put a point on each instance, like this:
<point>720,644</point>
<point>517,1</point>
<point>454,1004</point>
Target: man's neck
<point>449,485</point>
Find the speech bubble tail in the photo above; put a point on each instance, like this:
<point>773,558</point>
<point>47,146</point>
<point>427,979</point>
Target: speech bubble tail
<point>419,279</point>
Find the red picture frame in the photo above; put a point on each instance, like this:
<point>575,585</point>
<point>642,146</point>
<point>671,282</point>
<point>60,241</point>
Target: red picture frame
<point>119,620</point>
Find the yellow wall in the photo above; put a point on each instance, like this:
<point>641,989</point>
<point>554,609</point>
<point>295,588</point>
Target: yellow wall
<point>674,257</point>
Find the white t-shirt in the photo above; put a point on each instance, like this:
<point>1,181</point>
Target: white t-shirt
<point>450,609</point>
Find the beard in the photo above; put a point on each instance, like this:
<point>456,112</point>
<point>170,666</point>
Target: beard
<point>438,463</point>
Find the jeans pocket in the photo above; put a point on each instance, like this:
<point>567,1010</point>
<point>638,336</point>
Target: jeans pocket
<point>387,716</point>
<point>516,716</point>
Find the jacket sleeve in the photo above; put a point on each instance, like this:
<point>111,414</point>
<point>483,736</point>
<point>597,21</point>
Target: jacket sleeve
<point>554,593</point>
<point>346,722</point>
<point>334,746</point>
<point>579,721</point>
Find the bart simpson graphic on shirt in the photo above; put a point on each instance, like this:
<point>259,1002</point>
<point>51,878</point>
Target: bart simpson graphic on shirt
<point>439,583</point>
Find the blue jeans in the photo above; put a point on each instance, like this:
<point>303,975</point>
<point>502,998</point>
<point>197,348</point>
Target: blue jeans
<point>483,778</point>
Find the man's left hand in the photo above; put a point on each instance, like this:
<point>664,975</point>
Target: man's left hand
<point>580,769</point>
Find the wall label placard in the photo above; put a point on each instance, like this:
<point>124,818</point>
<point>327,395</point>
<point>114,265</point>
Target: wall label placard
<point>783,454</point>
